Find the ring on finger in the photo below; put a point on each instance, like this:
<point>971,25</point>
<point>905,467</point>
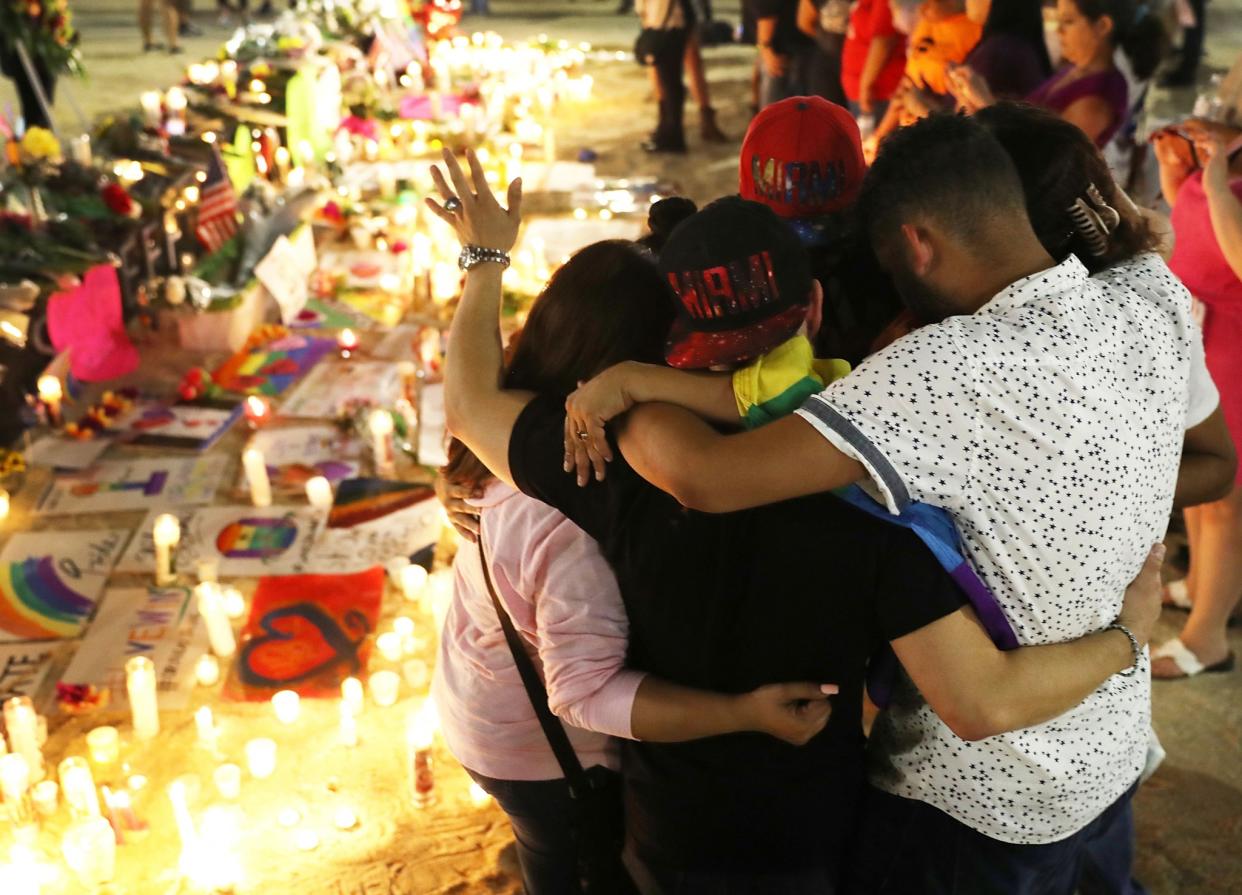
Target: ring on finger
<point>584,436</point>
<point>452,205</point>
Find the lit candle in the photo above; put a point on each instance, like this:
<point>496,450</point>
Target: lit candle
<point>45,796</point>
<point>152,104</point>
<point>344,819</point>
<point>389,645</point>
<point>416,674</point>
<point>144,708</point>
<point>287,705</point>
<point>261,758</point>
<point>207,570</point>
<point>306,840</point>
<point>289,817</point>
<point>234,603</point>
<point>420,735</point>
<point>319,492</point>
<point>478,795</point>
<point>347,341</point>
<point>166,534</point>
<point>349,726</point>
<point>104,745</point>
<point>121,803</point>
<point>257,411</point>
<point>175,103</point>
<point>219,629</point>
<point>4,504</point>
<point>256,476</point>
<point>403,627</point>
<point>89,847</point>
<point>351,694</point>
<point>207,670</point>
<point>14,786</point>
<point>78,785</point>
<point>22,725</point>
<point>385,686</point>
<point>227,778</point>
<point>413,580</point>
<point>381,438</point>
<point>51,393</point>
<point>205,725</point>
<point>181,815</point>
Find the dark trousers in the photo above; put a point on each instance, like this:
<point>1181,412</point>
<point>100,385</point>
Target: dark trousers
<point>542,815</point>
<point>1192,38</point>
<point>909,846</point>
<point>669,65</point>
<point>32,112</point>
<point>823,68</point>
<point>654,880</point>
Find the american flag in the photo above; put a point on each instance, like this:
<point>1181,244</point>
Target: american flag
<point>217,206</point>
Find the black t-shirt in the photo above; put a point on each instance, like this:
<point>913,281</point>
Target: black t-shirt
<point>787,38</point>
<point>798,591</point>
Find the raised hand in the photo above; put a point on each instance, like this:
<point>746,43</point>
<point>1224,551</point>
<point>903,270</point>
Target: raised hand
<point>470,208</point>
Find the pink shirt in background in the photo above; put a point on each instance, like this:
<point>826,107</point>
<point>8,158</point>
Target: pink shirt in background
<point>564,601</point>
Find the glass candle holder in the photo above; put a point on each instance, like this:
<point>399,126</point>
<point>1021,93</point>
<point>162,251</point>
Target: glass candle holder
<point>104,746</point>
<point>385,686</point>
<point>261,758</point>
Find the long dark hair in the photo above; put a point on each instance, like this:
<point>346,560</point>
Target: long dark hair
<point>1057,164</point>
<point>1141,36</point>
<point>1023,19</point>
<point>606,304</point>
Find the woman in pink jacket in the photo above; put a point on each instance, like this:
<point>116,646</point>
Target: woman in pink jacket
<point>564,601</point>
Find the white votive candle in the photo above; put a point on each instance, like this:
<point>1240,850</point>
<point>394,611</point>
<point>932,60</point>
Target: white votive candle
<point>389,645</point>
<point>78,785</point>
<point>104,745</point>
<point>287,705</point>
<point>381,427</point>
<point>205,725</point>
<point>219,629</point>
<point>351,694</point>
<point>344,819</point>
<point>4,504</point>
<point>166,534</point>
<point>413,580</point>
<point>349,726</point>
<point>45,796</point>
<point>384,687</point>
<point>319,492</point>
<point>140,683</point>
<point>234,603</point>
<point>207,670</point>
<point>227,778</point>
<point>21,723</point>
<point>261,758</point>
<point>256,476</point>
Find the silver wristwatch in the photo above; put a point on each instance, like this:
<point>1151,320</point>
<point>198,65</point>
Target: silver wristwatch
<point>474,255</point>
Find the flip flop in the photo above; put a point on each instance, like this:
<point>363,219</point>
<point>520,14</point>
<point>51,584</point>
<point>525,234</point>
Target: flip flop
<point>1187,662</point>
<point>1177,596</point>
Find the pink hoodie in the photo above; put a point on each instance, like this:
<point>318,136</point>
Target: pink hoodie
<point>564,602</point>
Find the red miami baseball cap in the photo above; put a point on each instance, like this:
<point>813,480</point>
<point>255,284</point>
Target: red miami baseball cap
<point>802,157</point>
<point>741,279</point>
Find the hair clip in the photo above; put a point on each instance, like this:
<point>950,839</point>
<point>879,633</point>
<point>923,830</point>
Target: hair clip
<point>1094,220</point>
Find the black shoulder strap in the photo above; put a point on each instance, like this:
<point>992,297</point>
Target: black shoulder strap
<point>553,730</point>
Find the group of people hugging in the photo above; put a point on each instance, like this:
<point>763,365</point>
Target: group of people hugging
<point>915,429</point>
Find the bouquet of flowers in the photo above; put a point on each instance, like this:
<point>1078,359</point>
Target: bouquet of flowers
<point>46,30</point>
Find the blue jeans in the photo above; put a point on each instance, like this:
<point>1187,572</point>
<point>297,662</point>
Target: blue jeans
<point>654,880</point>
<point>909,846</point>
<point>542,814</point>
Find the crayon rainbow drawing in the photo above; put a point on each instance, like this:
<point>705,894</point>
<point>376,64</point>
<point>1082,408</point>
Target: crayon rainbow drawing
<point>38,603</point>
<point>151,486</point>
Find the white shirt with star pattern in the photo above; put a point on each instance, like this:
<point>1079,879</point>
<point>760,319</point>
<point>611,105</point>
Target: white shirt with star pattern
<point>1049,424</point>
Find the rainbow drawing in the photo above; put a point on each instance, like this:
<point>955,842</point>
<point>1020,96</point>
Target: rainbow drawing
<point>256,538</point>
<point>37,604</point>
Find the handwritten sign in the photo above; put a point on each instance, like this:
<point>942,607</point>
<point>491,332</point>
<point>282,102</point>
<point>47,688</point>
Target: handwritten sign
<point>372,521</point>
<point>119,485</point>
<point>329,387</point>
<point>248,541</point>
<point>159,623</point>
<point>23,667</point>
<point>51,580</point>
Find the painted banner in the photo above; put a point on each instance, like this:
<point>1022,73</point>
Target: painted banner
<point>120,485</point>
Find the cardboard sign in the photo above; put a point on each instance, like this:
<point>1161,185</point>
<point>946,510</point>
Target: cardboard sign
<point>282,275</point>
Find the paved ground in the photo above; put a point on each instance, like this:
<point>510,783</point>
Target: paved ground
<point>1190,814</point>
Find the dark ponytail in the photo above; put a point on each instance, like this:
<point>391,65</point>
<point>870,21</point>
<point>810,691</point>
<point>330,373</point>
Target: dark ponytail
<point>1139,33</point>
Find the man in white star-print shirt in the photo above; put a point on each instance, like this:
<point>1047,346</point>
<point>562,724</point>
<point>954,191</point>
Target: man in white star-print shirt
<point>1046,411</point>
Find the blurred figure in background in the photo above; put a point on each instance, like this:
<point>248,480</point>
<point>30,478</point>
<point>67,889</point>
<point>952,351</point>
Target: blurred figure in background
<point>872,60</point>
<point>825,23</point>
<point>782,50</point>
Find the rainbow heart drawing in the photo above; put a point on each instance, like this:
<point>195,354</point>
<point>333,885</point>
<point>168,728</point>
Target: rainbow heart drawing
<point>37,603</point>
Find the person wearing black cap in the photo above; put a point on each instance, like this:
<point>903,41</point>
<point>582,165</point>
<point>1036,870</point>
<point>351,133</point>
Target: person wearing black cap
<point>723,601</point>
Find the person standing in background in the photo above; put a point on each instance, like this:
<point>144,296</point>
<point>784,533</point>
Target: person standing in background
<point>825,23</point>
<point>782,50</point>
<point>45,35</point>
<point>1192,16</point>
<point>167,10</point>
<point>662,45</point>
<point>872,59</point>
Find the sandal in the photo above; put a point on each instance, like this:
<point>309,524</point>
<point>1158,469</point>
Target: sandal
<point>1187,662</point>
<point>1177,596</point>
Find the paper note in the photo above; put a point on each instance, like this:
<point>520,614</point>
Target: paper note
<point>119,485</point>
<point>23,668</point>
<point>330,387</point>
<point>281,274</point>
